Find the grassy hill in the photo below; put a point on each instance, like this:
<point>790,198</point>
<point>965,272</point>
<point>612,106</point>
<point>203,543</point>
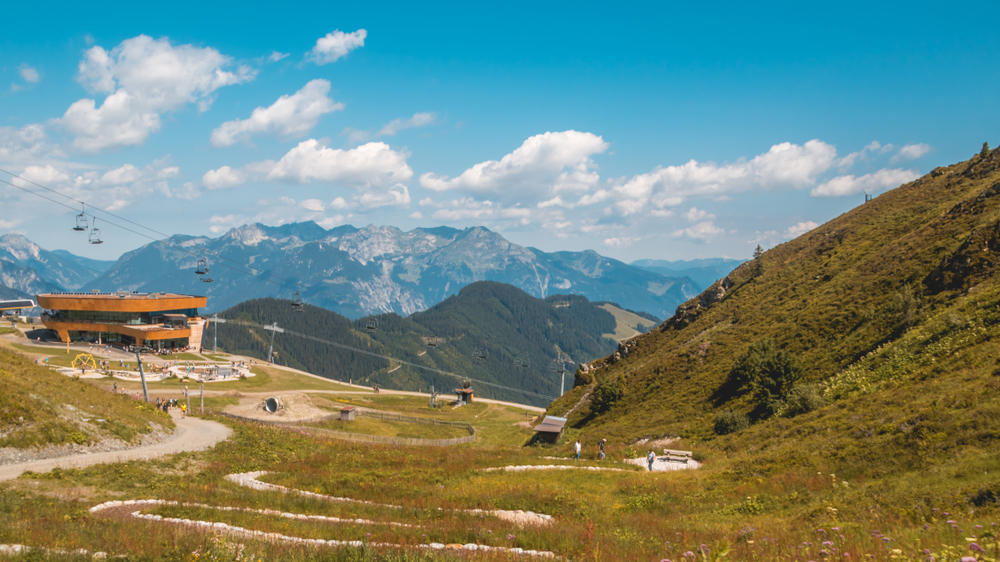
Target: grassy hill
<point>39,407</point>
<point>868,348</point>
<point>505,340</point>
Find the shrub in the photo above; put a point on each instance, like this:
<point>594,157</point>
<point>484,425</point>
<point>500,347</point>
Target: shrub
<point>767,371</point>
<point>803,398</point>
<point>730,421</point>
<point>605,395</point>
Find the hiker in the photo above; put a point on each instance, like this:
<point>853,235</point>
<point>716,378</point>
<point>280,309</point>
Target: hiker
<point>114,388</point>
<point>650,458</point>
<point>183,409</point>
<point>600,449</point>
<point>577,447</point>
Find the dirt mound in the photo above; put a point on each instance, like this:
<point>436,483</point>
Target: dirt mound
<point>290,407</point>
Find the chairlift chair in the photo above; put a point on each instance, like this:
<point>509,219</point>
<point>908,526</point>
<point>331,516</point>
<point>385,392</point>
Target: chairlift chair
<point>371,325</point>
<point>95,234</point>
<point>297,304</point>
<point>480,354</point>
<point>202,267</point>
<point>81,221</point>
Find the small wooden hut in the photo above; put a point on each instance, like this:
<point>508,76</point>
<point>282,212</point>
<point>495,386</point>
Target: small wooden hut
<point>550,429</point>
<point>348,413</point>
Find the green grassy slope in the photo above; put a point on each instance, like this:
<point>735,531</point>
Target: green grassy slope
<point>886,295</point>
<point>41,407</point>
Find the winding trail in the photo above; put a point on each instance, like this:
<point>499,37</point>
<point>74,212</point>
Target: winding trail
<point>191,434</point>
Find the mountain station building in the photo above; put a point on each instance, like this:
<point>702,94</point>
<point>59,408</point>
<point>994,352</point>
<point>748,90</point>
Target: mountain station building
<point>156,320</point>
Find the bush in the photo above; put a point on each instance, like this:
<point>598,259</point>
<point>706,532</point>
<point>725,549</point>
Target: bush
<point>803,398</point>
<point>767,371</point>
<point>730,421</point>
<point>606,393</point>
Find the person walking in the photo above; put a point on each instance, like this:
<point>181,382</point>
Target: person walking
<point>600,448</point>
<point>577,447</point>
<point>650,458</point>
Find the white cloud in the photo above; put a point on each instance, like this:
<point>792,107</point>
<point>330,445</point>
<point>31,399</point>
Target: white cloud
<point>314,205</point>
<point>335,45</point>
<point>800,228</point>
<point>288,115</point>
<point>29,144</point>
<point>371,164</point>
<point>46,175</point>
<point>784,165</point>
<point>874,182</point>
<point>620,241</point>
<point>416,120</point>
<point>873,147</point>
<point>394,196</point>
<point>911,152</point>
<point>695,214</point>
<point>421,119</point>
<point>111,189</point>
<point>29,74</point>
<point>702,231</point>
<point>143,78</point>
<point>543,165</point>
<point>222,178</point>
<point>275,56</point>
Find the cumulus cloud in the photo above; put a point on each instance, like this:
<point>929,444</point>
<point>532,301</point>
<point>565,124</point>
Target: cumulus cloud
<point>543,165</point>
<point>784,165</point>
<point>911,152</point>
<point>29,74</point>
<point>289,115</point>
<point>111,189</point>
<point>143,79</point>
<point>28,144</point>
<point>873,147</point>
<point>871,183</point>
<point>695,214</point>
<point>800,228</point>
<point>222,178</point>
<point>393,196</point>
<point>371,164</point>
<point>335,45</point>
<point>701,231</point>
<point>421,119</point>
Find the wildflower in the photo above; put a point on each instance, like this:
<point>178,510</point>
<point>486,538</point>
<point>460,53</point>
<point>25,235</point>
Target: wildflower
<point>510,537</point>
<point>666,560</point>
<point>824,553</point>
<point>950,522</point>
<point>968,559</point>
<point>835,529</point>
<point>703,548</point>
<point>827,543</point>
<point>926,551</point>
<point>820,530</point>
<point>689,555</point>
<point>974,547</point>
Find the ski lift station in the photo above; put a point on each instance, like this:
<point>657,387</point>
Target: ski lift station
<point>157,320</point>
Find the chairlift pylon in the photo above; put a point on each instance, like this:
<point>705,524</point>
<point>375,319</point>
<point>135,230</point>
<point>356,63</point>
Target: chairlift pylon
<point>95,234</point>
<point>81,220</point>
<point>297,303</point>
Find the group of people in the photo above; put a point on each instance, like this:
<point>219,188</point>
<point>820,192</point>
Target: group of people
<point>578,448</point>
<point>166,403</point>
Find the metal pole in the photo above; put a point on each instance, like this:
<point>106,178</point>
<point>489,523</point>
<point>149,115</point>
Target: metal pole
<point>187,399</point>
<point>215,342</point>
<point>142,376</point>
<point>562,382</point>
<point>270,349</point>
<point>203,398</point>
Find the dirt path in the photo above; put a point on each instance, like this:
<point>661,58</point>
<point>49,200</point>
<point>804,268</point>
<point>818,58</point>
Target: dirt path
<point>191,434</point>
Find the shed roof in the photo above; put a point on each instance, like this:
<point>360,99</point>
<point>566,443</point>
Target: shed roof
<point>551,424</point>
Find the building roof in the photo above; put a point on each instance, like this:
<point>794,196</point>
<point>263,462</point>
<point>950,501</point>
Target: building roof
<point>17,304</point>
<point>121,301</point>
<point>551,424</point>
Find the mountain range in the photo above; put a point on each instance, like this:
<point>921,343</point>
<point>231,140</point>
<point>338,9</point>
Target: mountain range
<point>379,269</point>
<point>26,269</point>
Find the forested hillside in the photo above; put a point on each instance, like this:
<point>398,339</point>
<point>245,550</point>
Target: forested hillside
<point>512,345</point>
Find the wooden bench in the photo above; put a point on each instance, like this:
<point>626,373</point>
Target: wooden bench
<point>676,455</point>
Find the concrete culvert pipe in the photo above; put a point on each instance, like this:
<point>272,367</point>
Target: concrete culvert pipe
<point>271,405</point>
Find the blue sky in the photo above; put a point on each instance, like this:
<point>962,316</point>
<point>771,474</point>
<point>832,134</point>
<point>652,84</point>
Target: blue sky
<point>639,131</point>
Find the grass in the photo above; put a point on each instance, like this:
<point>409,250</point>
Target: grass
<point>39,407</point>
<point>392,428</point>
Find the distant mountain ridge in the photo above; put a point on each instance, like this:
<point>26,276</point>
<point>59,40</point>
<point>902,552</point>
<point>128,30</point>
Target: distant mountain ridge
<point>380,269</point>
<point>703,271</point>
<point>26,269</point>
<point>510,343</point>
